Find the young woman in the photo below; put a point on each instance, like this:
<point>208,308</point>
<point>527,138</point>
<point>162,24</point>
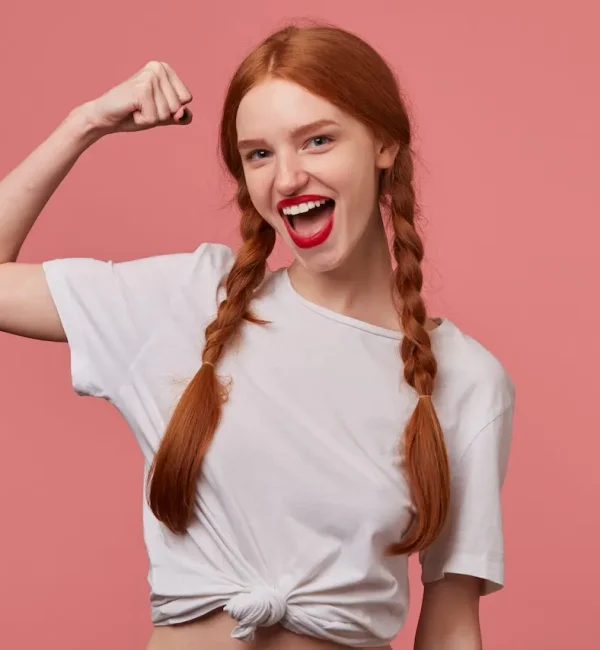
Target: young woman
<point>305,429</point>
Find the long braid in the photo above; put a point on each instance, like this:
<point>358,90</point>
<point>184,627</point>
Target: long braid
<point>245,276</point>
<point>172,479</point>
<point>425,456</point>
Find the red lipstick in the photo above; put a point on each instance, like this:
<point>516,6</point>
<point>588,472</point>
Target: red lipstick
<point>316,238</point>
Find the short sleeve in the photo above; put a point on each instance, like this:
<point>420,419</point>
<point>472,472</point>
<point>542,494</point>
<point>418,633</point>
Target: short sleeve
<point>110,309</point>
<point>472,542</point>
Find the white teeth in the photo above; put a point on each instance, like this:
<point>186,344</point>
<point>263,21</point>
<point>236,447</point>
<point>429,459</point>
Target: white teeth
<point>303,207</point>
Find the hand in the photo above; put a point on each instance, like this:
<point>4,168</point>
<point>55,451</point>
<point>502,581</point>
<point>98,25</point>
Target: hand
<point>153,96</point>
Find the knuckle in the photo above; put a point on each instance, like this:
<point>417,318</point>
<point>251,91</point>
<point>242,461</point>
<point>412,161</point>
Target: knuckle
<point>168,69</point>
<point>153,66</point>
<point>154,70</point>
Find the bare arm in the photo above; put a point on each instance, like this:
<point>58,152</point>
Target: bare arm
<point>449,618</point>
<point>26,307</point>
<point>26,189</point>
<point>153,96</point>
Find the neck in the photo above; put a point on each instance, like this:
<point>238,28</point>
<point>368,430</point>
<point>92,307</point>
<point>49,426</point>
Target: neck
<point>360,286</point>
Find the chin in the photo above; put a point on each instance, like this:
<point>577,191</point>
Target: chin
<point>320,260</point>
<point>327,256</point>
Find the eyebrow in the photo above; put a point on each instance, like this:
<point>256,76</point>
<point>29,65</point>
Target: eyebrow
<point>296,133</point>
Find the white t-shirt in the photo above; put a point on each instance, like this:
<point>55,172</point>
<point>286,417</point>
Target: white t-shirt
<point>299,492</point>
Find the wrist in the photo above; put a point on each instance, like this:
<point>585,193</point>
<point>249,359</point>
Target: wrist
<point>80,122</point>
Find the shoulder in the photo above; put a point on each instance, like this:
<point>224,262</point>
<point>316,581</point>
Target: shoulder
<point>196,272</point>
<point>467,362</point>
<point>197,276</point>
<point>473,385</point>
<point>207,258</point>
<point>149,286</point>
<point>215,254</point>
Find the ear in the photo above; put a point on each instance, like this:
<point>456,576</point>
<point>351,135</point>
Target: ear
<point>385,154</point>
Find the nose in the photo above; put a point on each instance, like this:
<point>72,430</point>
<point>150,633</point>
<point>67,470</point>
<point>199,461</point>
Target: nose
<point>289,175</point>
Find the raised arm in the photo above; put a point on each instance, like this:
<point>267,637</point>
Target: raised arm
<point>154,96</point>
<point>26,307</point>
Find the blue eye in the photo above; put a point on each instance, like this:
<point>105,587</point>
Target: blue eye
<point>250,156</point>
<point>321,137</point>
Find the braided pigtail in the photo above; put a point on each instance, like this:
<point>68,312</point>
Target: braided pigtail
<point>425,459</point>
<point>172,481</point>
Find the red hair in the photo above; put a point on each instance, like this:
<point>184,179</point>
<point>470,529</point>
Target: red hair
<point>349,73</point>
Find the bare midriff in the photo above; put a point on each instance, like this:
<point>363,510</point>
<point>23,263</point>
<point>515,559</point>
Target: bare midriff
<point>213,632</point>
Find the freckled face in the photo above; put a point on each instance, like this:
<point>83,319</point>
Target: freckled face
<point>340,160</point>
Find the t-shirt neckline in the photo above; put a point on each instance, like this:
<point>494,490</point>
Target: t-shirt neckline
<point>349,320</point>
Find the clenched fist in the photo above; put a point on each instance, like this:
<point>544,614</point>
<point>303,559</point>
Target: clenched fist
<point>153,96</point>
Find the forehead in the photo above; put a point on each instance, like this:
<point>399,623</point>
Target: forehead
<point>279,105</point>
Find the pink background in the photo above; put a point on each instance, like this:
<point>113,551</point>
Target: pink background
<point>506,103</point>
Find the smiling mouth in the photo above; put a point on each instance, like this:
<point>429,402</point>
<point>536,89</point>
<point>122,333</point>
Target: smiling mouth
<point>308,222</point>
